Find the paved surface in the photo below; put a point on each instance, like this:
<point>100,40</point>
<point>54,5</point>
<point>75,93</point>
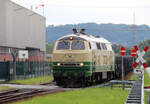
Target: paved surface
<point>148,71</point>
<point>29,86</point>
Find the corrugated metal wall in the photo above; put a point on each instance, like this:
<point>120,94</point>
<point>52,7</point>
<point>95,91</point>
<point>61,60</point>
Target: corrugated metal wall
<point>20,27</point>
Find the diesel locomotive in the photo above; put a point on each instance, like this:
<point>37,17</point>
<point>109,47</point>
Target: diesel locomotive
<point>80,60</point>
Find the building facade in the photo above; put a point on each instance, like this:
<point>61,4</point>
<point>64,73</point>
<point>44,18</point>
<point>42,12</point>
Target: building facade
<point>21,29</point>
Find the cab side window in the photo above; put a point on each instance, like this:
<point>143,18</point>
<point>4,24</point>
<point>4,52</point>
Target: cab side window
<point>93,45</point>
<point>90,46</point>
<point>98,46</point>
<point>104,46</point>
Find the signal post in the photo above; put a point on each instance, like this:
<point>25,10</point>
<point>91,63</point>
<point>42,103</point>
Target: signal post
<point>123,52</point>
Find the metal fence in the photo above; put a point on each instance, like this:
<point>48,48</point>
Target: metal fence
<point>29,69</point>
<point>4,71</point>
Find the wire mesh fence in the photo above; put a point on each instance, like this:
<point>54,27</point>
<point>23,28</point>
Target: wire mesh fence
<point>27,69</point>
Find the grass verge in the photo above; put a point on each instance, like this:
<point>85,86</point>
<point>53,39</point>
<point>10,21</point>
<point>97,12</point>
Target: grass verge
<point>145,97</point>
<point>134,77</point>
<point>3,88</point>
<point>104,95</point>
<point>33,81</point>
<point>146,79</point>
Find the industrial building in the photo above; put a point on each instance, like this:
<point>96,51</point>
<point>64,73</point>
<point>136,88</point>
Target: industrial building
<point>21,29</point>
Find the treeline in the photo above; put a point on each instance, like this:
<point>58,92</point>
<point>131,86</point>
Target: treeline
<point>115,33</point>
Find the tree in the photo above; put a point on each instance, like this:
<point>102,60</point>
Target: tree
<point>49,47</point>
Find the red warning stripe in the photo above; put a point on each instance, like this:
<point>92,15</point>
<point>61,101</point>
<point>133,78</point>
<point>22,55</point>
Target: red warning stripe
<point>146,48</point>
<point>136,48</point>
<point>144,65</point>
<point>135,64</point>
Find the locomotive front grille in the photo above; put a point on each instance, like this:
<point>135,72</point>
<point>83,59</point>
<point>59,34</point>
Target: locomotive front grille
<point>70,64</point>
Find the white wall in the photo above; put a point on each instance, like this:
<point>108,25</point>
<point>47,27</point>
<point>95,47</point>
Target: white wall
<point>2,23</point>
<point>21,27</point>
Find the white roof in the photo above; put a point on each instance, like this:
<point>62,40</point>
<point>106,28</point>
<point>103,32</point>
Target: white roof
<point>89,38</point>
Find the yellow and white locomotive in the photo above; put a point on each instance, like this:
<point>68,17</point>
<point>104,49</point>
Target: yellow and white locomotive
<point>80,59</point>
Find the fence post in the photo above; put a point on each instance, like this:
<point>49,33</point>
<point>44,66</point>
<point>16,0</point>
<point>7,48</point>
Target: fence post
<point>35,68</point>
<point>38,68</point>
<point>24,70</point>
<point>43,63</point>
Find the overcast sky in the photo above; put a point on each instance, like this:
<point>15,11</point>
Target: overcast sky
<point>59,12</point>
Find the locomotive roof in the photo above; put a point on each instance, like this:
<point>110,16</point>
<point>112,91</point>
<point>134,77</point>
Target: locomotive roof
<point>88,38</point>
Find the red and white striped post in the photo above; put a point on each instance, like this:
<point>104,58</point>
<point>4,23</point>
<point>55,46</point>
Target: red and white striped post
<point>144,62</point>
<point>136,49</point>
<point>133,54</point>
<point>123,52</point>
<point>140,57</point>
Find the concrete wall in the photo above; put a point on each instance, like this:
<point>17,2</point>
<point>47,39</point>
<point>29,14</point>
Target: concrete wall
<point>20,27</point>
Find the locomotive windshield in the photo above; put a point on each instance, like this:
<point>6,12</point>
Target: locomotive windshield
<point>74,45</point>
<point>77,45</point>
<point>63,45</point>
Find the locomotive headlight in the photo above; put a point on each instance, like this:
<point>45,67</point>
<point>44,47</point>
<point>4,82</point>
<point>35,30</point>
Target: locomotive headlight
<point>71,37</point>
<point>81,64</point>
<point>58,64</point>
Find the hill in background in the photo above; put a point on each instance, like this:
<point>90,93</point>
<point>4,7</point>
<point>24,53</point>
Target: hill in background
<point>115,33</point>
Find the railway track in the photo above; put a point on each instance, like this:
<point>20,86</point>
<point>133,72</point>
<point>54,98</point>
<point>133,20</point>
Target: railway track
<point>19,94</point>
<point>8,96</point>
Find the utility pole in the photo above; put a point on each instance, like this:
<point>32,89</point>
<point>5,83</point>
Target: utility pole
<point>134,39</point>
<point>134,29</point>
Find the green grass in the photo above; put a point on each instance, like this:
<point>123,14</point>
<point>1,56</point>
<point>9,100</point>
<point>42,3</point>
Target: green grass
<point>134,77</point>
<point>146,84</point>
<point>146,79</point>
<point>3,88</point>
<point>145,97</point>
<point>87,96</point>
<point>33,81</point>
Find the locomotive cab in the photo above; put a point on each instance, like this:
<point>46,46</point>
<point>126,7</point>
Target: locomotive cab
<point>71,49</point>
